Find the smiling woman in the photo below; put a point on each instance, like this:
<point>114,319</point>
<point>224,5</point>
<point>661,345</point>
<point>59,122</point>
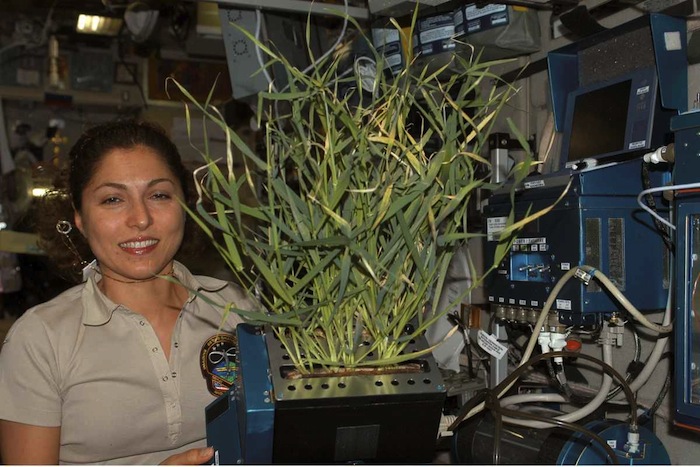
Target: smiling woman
<point>126,344</point>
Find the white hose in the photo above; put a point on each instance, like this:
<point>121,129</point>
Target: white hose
<point>603,279</point>
<point>664,328</point>
<point>656,352</point>
<point>536,332</point>
<point>571,417</point>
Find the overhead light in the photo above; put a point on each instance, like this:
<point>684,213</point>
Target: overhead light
<point>39,192</point>
<point>102,25</point>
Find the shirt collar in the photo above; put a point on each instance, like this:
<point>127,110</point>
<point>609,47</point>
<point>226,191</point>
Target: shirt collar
<point>98,308</point>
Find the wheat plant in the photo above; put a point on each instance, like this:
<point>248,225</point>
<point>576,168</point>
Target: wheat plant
<point>362,201</point>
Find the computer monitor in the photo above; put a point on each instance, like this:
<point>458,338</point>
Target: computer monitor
<point>614,120</point>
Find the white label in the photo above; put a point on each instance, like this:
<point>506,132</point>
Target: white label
<point>522,302</point>
<point>491,345</point>
<point>473,12</point>
<point>437,34</point>
<point>382,37</point>
<point>530,241</point>
<point>534,303</point>
<point>672,40</point>
<point>638,144</point>
<point>534,184</point>
<point>612,443</point>
<point>494,226</point>
<point>642,90</point>
<point>563,304</point>
<point>565,266</point>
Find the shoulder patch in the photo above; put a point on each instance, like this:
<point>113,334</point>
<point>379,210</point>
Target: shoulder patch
<point>218,362</point>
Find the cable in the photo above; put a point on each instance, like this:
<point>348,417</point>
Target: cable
<point>612,288</point>
<point>132,73</point>
<point>664,328</point>
<point>663,230</point>
<point>494,406</point>
<point>662,394</point>
<point>634,363</point>
<point>571,426</point>
<point>657,351</point>
<point>591,406</point>
<point>686,186</point>
<point>507,383</point>
<point>475,405</point>
<point>258,53</point>
<point>536,331</point>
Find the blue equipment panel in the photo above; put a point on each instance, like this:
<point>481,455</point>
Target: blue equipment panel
<point>598,223</point>
<point>240,422</point>
<point>580,450</point>
<point>565,71</point>
<point>687,317</point>
<point>609,103</point>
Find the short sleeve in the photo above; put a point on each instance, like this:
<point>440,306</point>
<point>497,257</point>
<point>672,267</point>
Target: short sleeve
<point>29,388</point>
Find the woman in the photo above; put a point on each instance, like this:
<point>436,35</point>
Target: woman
<point>120,368</point>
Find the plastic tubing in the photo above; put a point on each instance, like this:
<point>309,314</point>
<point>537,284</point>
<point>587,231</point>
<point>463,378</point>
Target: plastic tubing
<point>548,306</point>
<point>603,279</point>
<point>574,416</point>
<point>687,186</point>
<point>533,339</point>
<point>656,353</point>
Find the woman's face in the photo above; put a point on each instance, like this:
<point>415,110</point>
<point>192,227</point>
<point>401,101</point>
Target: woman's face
<point>131,216</point>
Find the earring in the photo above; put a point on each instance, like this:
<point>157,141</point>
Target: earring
<point>65,228</point>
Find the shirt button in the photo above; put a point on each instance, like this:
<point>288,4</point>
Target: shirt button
<point>142,323</point>
<point>176,345</point>
<point>165,378</point>
<point>174,374</point>
<point>154,349</point>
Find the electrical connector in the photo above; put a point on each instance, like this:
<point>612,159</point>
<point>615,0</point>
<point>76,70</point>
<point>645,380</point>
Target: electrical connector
<point>583,276</point>
<point>632,445</point>
<point>662,154</point>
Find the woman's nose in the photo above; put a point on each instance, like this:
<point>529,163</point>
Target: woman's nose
<point>140,216</point>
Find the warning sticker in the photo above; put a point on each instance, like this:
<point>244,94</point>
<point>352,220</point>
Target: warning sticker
<point>494,226</point>
<point>491,345</point>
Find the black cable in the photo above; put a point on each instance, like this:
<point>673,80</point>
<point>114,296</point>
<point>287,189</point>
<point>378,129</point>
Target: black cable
<point>662,393</point>
<point>455,320</point>
<point>571,426</point>
<point>635,365</point>
<point>494,405</point>
<point>132,73</point>
<point>660,397</point>
<point>492,319</point>
<point>518,372</point>
<point>470,356</point>
<point>663,229</point>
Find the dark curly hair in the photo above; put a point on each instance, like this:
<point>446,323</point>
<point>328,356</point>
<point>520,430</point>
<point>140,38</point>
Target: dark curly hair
<point>70,252</point>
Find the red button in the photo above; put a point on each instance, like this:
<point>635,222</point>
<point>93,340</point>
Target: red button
<point>573,345</point>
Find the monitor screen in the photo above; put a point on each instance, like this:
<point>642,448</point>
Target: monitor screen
<point>600,121</point>
<point>613,120</point>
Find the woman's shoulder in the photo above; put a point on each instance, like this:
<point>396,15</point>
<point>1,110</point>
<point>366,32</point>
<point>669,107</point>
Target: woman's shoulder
<point>64,306</point>
<point>49,322</point>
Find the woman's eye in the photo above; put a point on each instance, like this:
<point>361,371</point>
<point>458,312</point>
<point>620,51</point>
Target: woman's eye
<point>161,196</point>
<point>111,200</point>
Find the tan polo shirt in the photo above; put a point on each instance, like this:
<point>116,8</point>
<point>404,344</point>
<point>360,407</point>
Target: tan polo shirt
<point>96,369</point>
